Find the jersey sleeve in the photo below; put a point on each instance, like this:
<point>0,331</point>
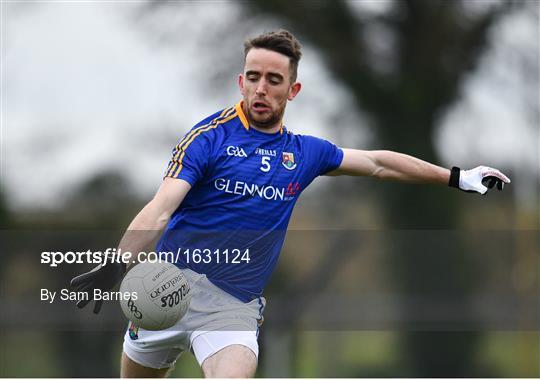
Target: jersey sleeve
<point>322,155</point>
<point>190,157</point>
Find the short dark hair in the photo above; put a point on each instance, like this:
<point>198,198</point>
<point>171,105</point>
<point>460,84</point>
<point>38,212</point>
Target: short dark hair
<point>280,41</point>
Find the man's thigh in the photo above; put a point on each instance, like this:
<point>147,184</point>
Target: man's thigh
<point>235,361</point>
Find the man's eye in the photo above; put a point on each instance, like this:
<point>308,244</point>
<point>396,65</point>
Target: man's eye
<point>274,81</point>
<point>252,79</point>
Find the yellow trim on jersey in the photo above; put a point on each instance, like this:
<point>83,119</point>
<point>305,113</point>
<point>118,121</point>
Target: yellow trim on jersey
<point>226,112</point>
<point>177,168</point>
<point>232,116</point>
<point>241,115</point>
<point>180,146</point>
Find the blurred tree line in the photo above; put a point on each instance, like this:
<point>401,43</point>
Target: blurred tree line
<point>93,216</point>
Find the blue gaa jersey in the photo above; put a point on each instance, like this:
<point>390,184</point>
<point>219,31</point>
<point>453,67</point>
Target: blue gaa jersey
<point>245,183</point>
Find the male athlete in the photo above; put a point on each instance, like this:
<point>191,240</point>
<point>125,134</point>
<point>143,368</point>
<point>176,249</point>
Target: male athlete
<point>229,190</point>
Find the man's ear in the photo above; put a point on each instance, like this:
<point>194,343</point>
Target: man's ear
<point>241,83</point>
<point>295,89</point>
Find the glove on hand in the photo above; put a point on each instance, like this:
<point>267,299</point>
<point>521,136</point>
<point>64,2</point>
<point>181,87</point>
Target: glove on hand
<point>103,277</point>
<point>477,180</point>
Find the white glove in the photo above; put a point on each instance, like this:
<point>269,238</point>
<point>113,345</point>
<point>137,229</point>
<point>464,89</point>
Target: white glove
<point>477,180</point>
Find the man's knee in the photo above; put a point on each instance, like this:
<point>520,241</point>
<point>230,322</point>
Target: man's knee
<point>131,369</point>
<point>230,372</point>
<point>235,361</point>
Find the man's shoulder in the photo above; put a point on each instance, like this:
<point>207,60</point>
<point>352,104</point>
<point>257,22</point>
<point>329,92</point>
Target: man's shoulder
<point>214,125</point>
<point>306,139</point>
<point>220,117</point>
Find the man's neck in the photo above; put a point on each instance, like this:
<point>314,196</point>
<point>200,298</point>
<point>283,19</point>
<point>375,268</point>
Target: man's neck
<point>274,129</point>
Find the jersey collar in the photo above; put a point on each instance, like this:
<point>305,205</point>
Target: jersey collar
<point>243,118</point>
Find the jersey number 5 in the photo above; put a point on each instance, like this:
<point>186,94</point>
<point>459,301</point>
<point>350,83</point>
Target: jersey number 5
<point>265,164</point>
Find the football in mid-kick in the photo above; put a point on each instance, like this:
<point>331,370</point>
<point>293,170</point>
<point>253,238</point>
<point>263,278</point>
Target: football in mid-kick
<point>162,295</point>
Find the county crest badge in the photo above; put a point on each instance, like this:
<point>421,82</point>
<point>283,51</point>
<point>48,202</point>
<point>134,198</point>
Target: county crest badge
<point>133,331</point>
<point>288,161</point>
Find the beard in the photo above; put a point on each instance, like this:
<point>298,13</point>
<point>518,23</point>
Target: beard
<point>267,120</point>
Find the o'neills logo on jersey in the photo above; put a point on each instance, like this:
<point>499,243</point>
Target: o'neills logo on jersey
<point>265,152</point>
<point>288,161</point>
<point>269,192</point>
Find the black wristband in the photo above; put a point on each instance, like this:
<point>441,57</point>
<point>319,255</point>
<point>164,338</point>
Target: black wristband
<point>454,177</point>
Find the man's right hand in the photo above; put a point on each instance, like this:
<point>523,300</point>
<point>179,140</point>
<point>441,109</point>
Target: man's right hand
<point>141,232</point>
<point>103,277</point>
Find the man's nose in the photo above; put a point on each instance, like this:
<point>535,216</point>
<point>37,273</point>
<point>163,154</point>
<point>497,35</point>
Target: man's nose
<point>261,87</point>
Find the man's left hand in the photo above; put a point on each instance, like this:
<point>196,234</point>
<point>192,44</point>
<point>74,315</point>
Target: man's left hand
<point>477,180</point>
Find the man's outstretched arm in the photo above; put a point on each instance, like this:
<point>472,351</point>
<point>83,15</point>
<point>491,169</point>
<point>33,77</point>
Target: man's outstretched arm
<point>142,231</point>
<point>384,164</point>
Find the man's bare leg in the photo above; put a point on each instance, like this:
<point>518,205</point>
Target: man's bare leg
<point>130,369</point>
<point>232,361</point>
